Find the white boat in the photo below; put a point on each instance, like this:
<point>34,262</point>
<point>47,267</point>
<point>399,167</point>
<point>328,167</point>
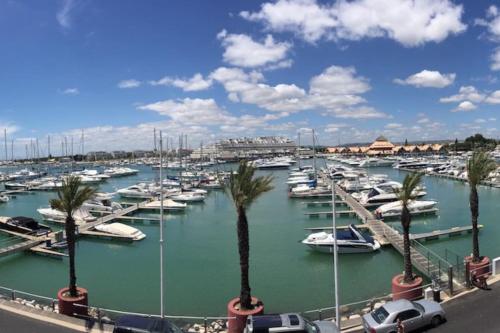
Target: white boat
<point>349,240</point>
<point>416,207</point>
<point>188,197</point>
<point>4,198</point>
<point>375,162</point>
<point>168,204</point>
<point>121,229</point>
<point>384,193</point>
<point>120,171</point>
<point>136,191</point>
<point>102,205</point>
<point>81,215</point>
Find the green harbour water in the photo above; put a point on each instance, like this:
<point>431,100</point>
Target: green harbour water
<point>201,258</point>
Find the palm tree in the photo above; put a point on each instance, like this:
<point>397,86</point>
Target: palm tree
<point>244,190</point>
<point>70,198</point>
<point>479,166</point>
<point>405,195</point>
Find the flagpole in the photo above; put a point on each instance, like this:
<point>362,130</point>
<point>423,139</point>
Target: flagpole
<point>162,310</point>
<point>335,258</point>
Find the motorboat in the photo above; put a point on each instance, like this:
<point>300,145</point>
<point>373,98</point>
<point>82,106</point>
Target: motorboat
<point>168,204</point>
<point>102,202</point>
<point>121,229</point>
<point>375,162</point>
<point>24,225</point>
<point>16,186</point>
<point>271,164</point>
<point>384,193</point>
<point>188,197</point>
<point>349,240</point>
<point>141,191</point>
<point>120,171</point>
<point>81,215</point>
<point>4,198</point>
<point>416,207</point>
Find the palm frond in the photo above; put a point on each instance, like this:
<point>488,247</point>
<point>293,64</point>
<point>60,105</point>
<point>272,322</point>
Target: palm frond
<point>71,196</point>
<point>243,188</point>
<point>479,166</point>
<point>410,186</point>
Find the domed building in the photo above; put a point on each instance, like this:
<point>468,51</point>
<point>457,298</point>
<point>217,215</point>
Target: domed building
<point>381,146</point>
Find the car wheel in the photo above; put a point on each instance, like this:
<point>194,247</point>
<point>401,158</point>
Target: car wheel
<point>436,320</point>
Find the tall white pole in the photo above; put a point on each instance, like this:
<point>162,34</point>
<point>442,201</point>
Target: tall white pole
<point>335,258</point>
<point>162,311</point>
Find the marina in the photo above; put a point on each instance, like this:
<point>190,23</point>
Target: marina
<point>211,225</point>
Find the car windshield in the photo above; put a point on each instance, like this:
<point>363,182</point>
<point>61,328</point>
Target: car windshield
<point>419,307</point>
<point>380,315</point>
<point>310,327</point>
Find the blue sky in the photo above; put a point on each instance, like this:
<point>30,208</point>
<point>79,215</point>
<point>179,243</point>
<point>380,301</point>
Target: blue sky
<point>352,70</point>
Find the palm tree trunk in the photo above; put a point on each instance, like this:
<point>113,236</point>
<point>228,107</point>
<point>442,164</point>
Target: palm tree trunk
<point>474,210</point>
<point>405,223</point>
<point>70,238</point>
<point>244,250</point>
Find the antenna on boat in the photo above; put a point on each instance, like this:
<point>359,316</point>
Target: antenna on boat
<point>335,257</point>
<point>162,313</point>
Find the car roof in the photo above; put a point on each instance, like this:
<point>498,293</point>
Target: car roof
<point>286,320</point>
<point>146,324</point>
<point>398,306</point>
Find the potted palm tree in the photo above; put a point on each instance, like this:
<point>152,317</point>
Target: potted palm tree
<point>70,198</point>
<point>407,285</point>
<point>479,166</point>
<point>244,189</point>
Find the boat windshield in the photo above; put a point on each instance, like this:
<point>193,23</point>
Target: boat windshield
<point>373,192</point>
<point>380,315</point>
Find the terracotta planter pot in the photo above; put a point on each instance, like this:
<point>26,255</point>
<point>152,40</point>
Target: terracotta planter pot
<point>479,269</point>
<point>237,324</point>
<point>408,291</point>
<point>67,303</point>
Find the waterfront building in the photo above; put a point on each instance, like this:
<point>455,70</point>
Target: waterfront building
<point>255,147</point>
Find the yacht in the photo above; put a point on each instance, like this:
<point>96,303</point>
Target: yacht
<point>168,204</point>
<point>350,240</point>
<point>4,198</point>
<point>271,164</point>
<point>81,216</point>
<point>375,162</point>
<point>384,193</point>
<point>16,186</point>
<point>120,171</point>
<point>188,197</point>
<point>394,209</point>
<point>24,225</point>
<point>121,229</point>
<point>102,202</point>
<point>141,191</point>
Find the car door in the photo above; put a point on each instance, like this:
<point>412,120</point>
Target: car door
<point>411,319</point>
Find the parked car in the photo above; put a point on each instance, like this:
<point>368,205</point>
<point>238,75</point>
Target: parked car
<point>413,315</point>
<point>140,324</point>
<point>288,322</point>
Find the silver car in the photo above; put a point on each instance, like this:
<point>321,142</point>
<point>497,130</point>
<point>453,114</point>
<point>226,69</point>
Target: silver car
<point>288,323</point>
<point>413,315</point>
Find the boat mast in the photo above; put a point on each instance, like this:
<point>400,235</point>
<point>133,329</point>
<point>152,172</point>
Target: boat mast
<point>48,146</point>
<point>5,139</point>
<point>314,154</point>
<point>335,257</point>
<point>162,310</point>
<point>298,149</point>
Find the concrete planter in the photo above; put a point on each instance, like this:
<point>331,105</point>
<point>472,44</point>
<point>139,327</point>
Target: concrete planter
<point>479,269</point>
<point>67,303</point>
<point>237,324</point>
<point>408,291</point>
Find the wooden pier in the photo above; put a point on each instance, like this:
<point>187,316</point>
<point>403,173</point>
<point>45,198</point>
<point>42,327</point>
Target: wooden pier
<point>330,213</point>
<point>437,234</point>
<point>327,203</point>
<point>34,243</point>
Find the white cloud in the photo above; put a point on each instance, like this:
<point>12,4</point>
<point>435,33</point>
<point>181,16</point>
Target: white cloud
<point>465,106</point>
<point>408,22</point>
<point>428,79</point>
<point>493,98</point>
<point>480,121</point>
<point>394,126</point>
<point>195,83</point>
<point>63,15</point>
<point>127,84</point>
<point>335,91</point>
<point>9,126</point>
<point>332,128</point>
<point>424,120</point>
<point>241,50</point>
<point>468,93</point>
<point>70,91</point>
<point>495,60</point>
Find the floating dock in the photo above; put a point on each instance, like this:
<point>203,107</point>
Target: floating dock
<point>437,234</point>
<point>330,213</point>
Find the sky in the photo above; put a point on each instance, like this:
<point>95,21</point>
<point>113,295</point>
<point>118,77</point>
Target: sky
<point>351,70</point>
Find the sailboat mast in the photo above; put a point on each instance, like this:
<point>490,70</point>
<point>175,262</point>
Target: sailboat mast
<point>314,153</point>
<point>298,149</point>
<point>162,310</point>
<point>5,139</point>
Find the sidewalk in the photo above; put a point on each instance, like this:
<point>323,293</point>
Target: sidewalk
<point>18,318</point>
